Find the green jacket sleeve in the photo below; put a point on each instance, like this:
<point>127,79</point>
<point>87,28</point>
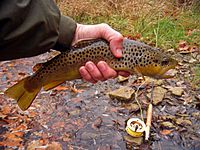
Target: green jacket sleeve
<point>32,27</point>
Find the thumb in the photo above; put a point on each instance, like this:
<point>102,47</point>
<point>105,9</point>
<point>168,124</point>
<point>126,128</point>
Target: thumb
<point>116,46</point>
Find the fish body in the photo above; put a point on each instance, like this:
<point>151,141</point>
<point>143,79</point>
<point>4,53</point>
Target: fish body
<point>138,58</point>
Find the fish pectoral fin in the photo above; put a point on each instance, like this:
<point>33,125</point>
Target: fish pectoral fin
<point>52,85</point>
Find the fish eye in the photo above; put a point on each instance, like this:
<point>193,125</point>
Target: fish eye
<point>164,62</point>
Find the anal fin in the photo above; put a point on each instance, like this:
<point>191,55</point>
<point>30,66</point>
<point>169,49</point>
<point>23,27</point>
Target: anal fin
<point>51,85</point>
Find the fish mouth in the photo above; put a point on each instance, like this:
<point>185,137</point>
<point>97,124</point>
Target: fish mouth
<point>168,72</point>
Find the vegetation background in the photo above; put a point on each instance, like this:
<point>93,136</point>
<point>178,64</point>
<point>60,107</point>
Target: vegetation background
<point>167,24</point>
<point>159,22</point>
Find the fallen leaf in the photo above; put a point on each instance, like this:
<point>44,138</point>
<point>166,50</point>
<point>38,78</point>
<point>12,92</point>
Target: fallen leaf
<point>19,133</point>
<point>35,145</point>
<point>183,46</point>
<point>61,88</point>
<point>66,137</point>
<point>6,110</point>
<point>2,116</point>
<point>10,143</point>
<point>122,79</point>
<point>20,127</point>
<point>54,146</point>
<point>167,125</point>
<point>165,132</point>
<point>183,122</point>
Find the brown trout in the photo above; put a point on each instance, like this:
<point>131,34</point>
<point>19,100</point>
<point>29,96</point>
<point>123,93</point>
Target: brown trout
<point>138,58</point>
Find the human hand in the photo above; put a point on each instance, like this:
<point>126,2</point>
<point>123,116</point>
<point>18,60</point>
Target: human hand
<point>91,72</point>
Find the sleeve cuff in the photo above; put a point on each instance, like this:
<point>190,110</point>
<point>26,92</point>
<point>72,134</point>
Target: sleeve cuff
<point>67,30</point>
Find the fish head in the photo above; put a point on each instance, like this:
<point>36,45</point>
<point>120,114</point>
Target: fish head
<point>160,67</point>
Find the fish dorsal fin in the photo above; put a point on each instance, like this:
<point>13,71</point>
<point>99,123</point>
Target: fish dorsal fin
<point>84,43</point>
<point>37,67</point>
<point>51,85</point>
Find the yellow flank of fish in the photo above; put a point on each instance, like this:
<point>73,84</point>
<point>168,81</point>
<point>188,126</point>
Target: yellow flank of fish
<point>138,58</point>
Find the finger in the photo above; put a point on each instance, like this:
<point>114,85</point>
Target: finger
<point>115,39</point>
<point>94,71</point>
<point>86,75</point>
<point>106,71</point>
<point>116,47</point>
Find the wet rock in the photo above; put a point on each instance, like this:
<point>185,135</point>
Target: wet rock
<point>183,122</point>
<point>97,123</point>
<point>123,94</point>
<point>132,107</point>
<point>167,125</point>
<point>74,112</point>
<point>178,91</point>
<point>89,135</point>
<point>158,95</point>
<point>155,81</point>
<point>130,139</point>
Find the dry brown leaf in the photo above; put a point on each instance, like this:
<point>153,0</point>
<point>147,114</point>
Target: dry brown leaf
<point>19,133</point>
<point>20,127</point>
<point>61,88</point>
<point>165,132</point>
<point>60,124</point>
<point>10,143</point>
<point>76,90</point>
<point>54,146</point>
<point>2,116</point>
<point>32,114</point>
<point>6,110</point>
<point>12,140</point>
<point>66,137</point>
<point>183,46</point>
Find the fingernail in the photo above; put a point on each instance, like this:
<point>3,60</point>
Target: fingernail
<point>81,70</point>
<point>102,66</point>
<point>119,52</point>
<point>90,67</point>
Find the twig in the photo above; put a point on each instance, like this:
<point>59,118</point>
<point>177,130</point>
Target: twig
<point>149,115</point>
<point>136,95</point>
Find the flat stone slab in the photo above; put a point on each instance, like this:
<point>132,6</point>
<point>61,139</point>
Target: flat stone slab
<point>122,94</point>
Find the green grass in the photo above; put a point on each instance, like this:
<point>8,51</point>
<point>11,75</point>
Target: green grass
<point>159,23</point>
<point>161,31</point>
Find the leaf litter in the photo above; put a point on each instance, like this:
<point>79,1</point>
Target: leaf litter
<point>88,119</point>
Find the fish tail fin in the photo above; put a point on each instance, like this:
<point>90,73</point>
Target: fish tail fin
<point>23,97</point>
